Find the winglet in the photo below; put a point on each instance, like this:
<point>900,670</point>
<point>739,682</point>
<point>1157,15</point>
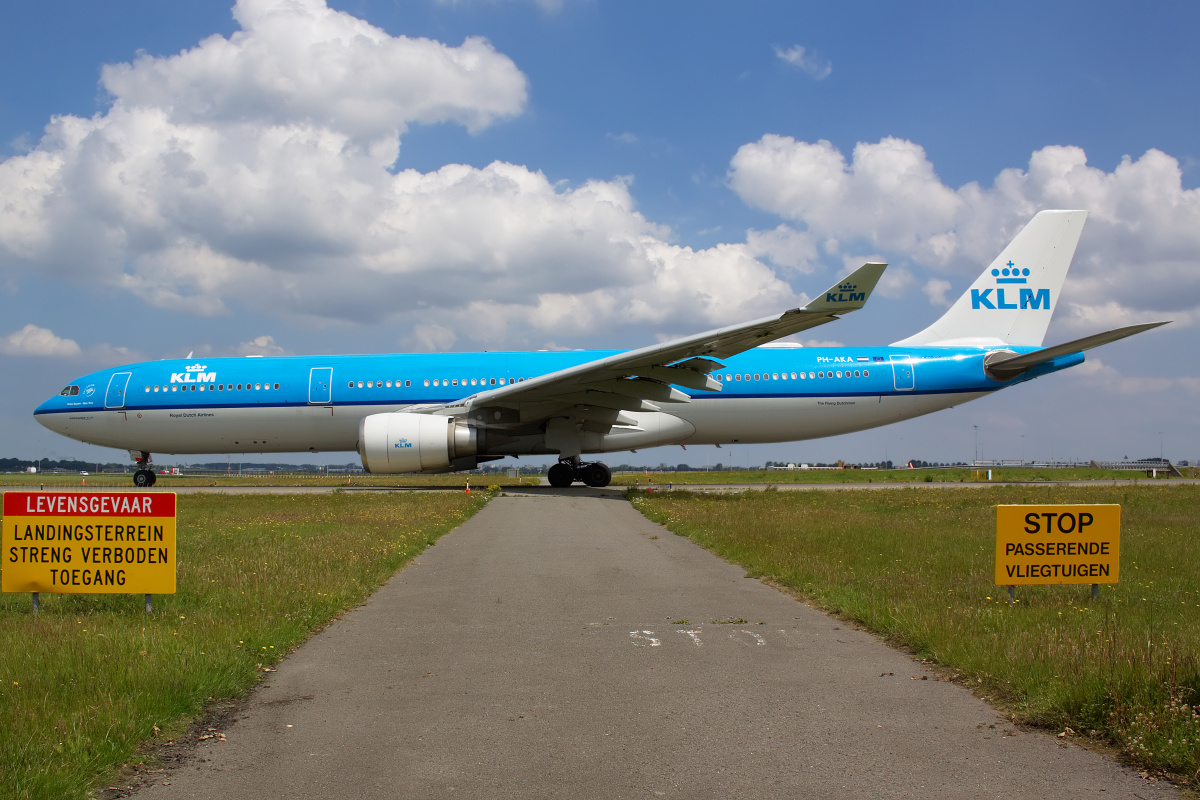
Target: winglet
<point>849,293</point>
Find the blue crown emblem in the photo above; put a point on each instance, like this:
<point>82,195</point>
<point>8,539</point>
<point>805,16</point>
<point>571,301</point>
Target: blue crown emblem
<point>847,287</point>
<point>1010,274</point>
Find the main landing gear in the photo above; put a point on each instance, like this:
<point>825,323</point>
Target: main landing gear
<point>569,470</point>
<point>143,476</point>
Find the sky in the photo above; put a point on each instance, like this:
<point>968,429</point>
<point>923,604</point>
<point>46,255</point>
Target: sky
<point>296,177</point>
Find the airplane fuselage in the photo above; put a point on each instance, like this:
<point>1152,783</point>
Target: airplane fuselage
<point>315,404</point>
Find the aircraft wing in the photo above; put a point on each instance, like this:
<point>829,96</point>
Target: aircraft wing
<point>639,380</point>
<point>1007,367</point>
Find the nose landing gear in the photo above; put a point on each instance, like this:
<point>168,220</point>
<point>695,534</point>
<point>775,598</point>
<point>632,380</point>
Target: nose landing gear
<point>143,476</point>
<point>569,470</point>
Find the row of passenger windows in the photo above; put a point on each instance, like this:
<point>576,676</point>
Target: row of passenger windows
<point>783,376</point>
<point>218,387</point>
<point>437,382</point>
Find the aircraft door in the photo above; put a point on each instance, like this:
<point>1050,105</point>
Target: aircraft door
<point>115,396</point>
<point>903,378</point>
<point>320,385</point>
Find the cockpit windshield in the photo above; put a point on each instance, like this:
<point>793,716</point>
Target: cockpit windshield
<point>69,391</point>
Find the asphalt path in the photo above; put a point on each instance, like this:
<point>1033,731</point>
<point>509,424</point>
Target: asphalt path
<point>560,645</point>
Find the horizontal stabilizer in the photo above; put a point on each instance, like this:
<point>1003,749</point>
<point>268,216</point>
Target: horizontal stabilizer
<point>1006,367</point>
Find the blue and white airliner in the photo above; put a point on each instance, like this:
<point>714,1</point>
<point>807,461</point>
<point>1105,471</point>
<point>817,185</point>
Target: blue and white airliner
<point>410,413</point>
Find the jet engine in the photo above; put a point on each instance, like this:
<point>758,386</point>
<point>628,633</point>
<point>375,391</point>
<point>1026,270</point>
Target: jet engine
<point>402,442</point>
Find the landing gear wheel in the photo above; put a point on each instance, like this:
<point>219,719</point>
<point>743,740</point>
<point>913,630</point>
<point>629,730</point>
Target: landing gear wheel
<point>560,475</point>
<point>596,474</point>
<point>143,478</point>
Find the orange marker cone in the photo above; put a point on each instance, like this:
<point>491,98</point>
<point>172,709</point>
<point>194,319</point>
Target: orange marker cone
<point>468,486</point>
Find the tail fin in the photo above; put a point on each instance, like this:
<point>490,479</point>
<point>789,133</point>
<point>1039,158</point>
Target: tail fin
<point>1014,298</point>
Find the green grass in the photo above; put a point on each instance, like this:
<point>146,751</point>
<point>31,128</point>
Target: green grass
<point>18,481</point>
<point>917,567</point>
<point>88,679</point>
<point>940,475</point>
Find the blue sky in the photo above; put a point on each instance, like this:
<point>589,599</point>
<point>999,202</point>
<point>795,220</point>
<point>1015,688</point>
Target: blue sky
<point>629,171</point>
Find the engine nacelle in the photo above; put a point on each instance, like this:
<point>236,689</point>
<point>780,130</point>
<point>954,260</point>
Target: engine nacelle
<point>402,442</point>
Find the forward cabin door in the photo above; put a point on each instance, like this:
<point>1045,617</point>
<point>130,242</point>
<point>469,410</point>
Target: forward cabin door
<point>320,386</point>
<point>115,396</point>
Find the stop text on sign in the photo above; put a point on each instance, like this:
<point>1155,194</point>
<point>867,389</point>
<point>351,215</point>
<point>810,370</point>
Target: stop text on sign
<point>1058,544</point>
<point>105,542</point>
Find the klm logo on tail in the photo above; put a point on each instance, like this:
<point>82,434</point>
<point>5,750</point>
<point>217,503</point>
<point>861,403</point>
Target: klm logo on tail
<point>1027,298</point>
<point>845,293</point>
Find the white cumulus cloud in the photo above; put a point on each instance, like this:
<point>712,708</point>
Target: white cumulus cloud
<point>41,342</point>
<point>1139,257</point>
<point>264,166</point>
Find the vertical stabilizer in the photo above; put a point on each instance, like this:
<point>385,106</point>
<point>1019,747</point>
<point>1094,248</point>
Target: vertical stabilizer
<point>1014,298</point>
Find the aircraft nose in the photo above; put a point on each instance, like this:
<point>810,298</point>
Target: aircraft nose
<point>44,414</point>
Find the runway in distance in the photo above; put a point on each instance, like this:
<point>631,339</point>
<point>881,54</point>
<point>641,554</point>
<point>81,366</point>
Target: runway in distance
<point>442,412</point>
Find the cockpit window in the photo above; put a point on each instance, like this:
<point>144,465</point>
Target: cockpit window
<point>70,391</point>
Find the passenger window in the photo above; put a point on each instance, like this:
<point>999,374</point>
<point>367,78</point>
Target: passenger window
<point>193,387</point>
<point>493,381</point>
<point>426,381</point>
<point>839,373</point>
<point>389,384</point>
<point>455,381</point>
<point>866,374</point>
<point>737,377</point>
<point>174,388</point>
<point>277,386</point>
<point>820,374</point>
<point>857,373</point>
<point>408,383</point>
<point>775,376</point>
<point>802,375</point>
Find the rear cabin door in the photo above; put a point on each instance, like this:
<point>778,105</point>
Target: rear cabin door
<point>320,386</point>
<point>902,373</point>
<point>115,396</point>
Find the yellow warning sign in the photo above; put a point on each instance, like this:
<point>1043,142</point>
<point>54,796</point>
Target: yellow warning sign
<point>102,542</point>
<point>1058,544</point>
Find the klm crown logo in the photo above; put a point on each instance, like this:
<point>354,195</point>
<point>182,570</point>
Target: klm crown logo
<point>1011,274</point>
<point>846,293</point>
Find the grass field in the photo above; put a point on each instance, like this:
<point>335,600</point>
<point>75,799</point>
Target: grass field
<point>917,568</point>
<point>940,475</point>
<point>88,679</point>
<point>25,482</point>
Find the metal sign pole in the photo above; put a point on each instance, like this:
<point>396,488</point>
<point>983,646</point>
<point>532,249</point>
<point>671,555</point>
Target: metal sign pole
<point>35,602</point>
<point>149,605</point>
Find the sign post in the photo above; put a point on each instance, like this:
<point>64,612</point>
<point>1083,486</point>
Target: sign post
<point>88,543</point>
<point>1067,544</point>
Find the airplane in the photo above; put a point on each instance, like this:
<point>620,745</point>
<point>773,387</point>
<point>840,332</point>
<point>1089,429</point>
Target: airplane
<point>444,412</point>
